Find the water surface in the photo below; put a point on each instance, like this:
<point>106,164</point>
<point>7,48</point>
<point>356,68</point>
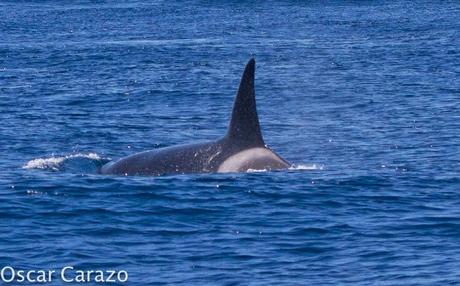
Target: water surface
<point>361,96</point>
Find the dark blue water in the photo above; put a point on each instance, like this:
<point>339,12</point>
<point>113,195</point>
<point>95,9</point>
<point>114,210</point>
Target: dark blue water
<point>362,97</point>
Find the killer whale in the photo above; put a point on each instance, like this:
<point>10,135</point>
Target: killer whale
<point>241,149</point>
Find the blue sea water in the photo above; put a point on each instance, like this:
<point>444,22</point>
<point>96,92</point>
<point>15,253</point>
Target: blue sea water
<point>361,96</point>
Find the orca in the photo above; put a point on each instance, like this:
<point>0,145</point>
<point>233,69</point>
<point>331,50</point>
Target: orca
<point>241,149</point>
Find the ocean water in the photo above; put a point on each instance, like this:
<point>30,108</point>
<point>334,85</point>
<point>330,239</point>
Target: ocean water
<point>361,96</point>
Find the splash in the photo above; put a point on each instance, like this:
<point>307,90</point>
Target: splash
<point>256,170</point>
<point>307,167</point>
<point>292,168</point>
<point>74,162</point>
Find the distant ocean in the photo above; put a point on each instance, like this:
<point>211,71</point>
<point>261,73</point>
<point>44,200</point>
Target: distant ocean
<point>361,96</point>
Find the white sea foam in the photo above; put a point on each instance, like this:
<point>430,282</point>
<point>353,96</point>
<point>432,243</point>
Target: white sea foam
<point>293,167</point>
<point>306,167</point>
<point>54,162</point>
<point>256,170</point>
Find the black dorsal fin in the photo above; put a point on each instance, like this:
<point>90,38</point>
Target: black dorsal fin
<point>244,124</point>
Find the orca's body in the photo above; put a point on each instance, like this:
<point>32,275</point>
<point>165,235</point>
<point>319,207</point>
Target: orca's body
<point>240,150</point>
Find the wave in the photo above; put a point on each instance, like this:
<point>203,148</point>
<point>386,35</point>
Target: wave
<point>294,167</point>
<point>307,167</point>
<point>78,162</point>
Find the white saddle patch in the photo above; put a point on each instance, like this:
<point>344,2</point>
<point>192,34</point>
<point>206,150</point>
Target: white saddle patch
<point>255,159</point>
